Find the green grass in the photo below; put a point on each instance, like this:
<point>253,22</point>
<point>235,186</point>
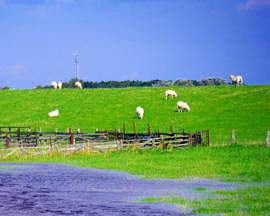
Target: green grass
<point>236,163</point>
<point>246,201</point>
<point>200,189</point>
<point>246,164</point>
<point>245,108</point>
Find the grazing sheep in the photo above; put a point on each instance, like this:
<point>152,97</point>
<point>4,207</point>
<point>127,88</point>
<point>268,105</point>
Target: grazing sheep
<point>170,93</point>
<point>237,80</point>
<point>182,106</point>
<point>53,113</point>
<point>54,84</point>
<point>59,85</point>
<point>78,85</point>
<point>140,112</point>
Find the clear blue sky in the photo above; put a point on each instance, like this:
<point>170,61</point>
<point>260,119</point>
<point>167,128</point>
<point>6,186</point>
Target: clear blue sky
<point>133,39</point>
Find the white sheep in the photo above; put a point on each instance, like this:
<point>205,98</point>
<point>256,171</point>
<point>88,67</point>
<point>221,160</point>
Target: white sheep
<point>54,84</point>
<point>59,85</point>
<point>53,113</point>
<point>236,79</point>
<point>170,93</point>
<point>182,106</point>
<point>78,84</point>
<point>140,112</point>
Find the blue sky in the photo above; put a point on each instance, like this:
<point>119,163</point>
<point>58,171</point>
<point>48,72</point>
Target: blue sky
<point>133,39</point>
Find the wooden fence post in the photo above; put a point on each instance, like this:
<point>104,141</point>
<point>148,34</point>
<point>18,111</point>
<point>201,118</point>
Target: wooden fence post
<point>50,143</point>
<point>268,139</point>
<point>71,137</point>
<point>196,142</point>
<point>28,135</point>
<point>36,140</point>
<point>7,140</point>
<point>134,127</point>
<point>208,137</point>
<point>114,135</point>
<point>19,137</point>
<point>189,138</point>
<point>123,133</point>
<point>149,129</point>
<point>233,137</point>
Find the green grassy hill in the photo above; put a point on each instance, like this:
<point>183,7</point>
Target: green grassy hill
<point>245,108</point>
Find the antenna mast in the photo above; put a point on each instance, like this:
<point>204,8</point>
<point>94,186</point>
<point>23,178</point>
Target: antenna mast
<point>76,56</point>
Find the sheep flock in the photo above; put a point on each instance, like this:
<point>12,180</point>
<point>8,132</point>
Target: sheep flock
<point>59,85</point>
<point>181,105</point>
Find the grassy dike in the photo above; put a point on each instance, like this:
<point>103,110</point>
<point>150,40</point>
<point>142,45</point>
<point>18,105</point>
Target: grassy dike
<point>249,165</point>
<point>245,108</point>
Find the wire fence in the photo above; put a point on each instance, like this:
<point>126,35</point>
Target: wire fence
<point>234,136</point>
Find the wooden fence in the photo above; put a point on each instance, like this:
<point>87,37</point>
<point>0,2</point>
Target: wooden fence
<point>27,137</point>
